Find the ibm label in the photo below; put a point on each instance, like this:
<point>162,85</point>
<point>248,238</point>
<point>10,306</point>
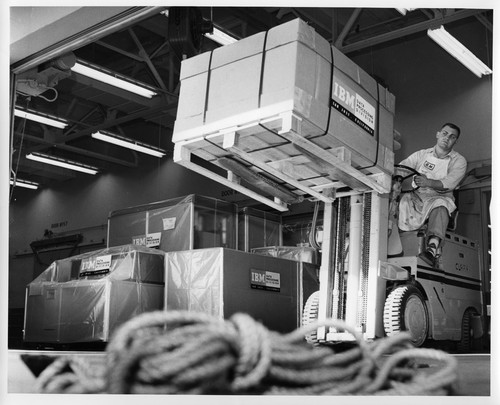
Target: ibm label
<point>351,104</point>
<point>98,265</point>
<point>151,240</point>
<point>265,280</point>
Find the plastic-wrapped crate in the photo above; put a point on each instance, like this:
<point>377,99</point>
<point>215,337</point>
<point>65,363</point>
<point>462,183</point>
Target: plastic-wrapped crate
<point>222,282</point>
<point>85,297</point>
<point>298,253</point>
<point>189,222</point>
<point>258,228</point>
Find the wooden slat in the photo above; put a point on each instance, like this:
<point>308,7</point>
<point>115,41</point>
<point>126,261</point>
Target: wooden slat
<point>231,144</point>
<point>182,156</point>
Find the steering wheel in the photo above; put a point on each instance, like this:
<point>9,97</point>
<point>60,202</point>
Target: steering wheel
<point>405,174</point>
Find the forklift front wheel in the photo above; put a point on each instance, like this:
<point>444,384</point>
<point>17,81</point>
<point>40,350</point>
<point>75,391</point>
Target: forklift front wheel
<point>465,344</point>
<point>405,310</point>
<point>310,315</point>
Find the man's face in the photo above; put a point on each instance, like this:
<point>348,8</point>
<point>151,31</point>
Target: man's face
<point>447,137</point>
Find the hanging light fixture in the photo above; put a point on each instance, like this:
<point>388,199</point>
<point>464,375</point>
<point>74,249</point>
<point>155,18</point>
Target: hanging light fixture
<point>112,78</point>
<point>67,164</point>
<point>24,183</point>
<point>129,144</point>
<point>217,35</point>
<point>458,51</point>
<point>40,117</point>
<point>220,37</point>
<point>403,11</point>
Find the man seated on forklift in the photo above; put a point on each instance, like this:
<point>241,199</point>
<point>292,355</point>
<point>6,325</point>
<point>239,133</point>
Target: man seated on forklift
<point>440,171</point>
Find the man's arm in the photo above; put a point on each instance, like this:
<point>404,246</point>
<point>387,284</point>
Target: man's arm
<point>456,172</point>
<point>423,181</point>
<point>412,160</point>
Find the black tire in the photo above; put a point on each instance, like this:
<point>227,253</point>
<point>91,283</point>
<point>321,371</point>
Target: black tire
<point>465,344</point>
<point>405,310</point>
<point>310,315</point>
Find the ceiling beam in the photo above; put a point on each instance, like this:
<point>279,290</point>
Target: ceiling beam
<point>347,27</point>
<point>483,20</point>
<point>147,60</point>
<point>412,29</point>
<point>120,51</point>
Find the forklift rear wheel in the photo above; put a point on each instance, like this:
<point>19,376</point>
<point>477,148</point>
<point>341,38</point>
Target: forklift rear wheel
<point>310,315</point>
<point>405,310</point>
<point>465,344</point>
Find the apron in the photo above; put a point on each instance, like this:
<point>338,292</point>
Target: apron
<point>414,207</point>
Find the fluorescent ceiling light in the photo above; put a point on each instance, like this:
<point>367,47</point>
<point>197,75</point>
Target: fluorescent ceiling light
<point>42,118</point>
<point>404,10</point>
<point>128,143</point>
<point>112,79</point>
<point>52,160</point>
<point>220,37</point>
<point>458,51</point>
<point>217,35</point>
<point>24,183</point>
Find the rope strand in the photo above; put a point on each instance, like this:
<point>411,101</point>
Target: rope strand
<point>181,352</point>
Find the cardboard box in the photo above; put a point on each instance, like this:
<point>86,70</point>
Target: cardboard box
<point>84,298</point>
<point>222,282</point>
<point>289,69</point>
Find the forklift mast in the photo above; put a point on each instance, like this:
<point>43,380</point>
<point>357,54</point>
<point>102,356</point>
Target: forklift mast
<point>354,244</point>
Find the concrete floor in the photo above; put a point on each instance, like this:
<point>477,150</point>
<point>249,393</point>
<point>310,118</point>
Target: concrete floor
<point>474,371</point>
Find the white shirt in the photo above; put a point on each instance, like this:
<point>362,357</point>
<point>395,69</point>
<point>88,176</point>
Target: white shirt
<point>457,165</point>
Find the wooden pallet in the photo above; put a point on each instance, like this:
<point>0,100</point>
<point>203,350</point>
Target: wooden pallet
<point>271,161</point>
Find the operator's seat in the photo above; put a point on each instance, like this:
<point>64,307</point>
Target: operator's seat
<point>452,225</point>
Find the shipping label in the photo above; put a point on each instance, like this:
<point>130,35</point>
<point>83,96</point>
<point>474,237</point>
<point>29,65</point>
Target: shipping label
<point>265,280</point>
<point>169,223</point>
<point>97,265</point>
<point>351,104</point>
<point>151,240</point>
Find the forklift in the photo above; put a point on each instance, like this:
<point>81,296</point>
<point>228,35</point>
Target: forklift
<point>323,131</point>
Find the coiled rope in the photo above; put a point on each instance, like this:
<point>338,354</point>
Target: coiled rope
<point>183,352</point>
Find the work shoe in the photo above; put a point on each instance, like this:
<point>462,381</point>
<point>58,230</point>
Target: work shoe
<point>429,255</point>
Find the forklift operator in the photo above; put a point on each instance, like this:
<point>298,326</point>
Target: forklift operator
<point>441,170</point>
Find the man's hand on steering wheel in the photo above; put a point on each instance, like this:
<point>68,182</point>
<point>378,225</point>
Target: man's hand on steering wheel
<point>421,180</point>
<point>406,175</point>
